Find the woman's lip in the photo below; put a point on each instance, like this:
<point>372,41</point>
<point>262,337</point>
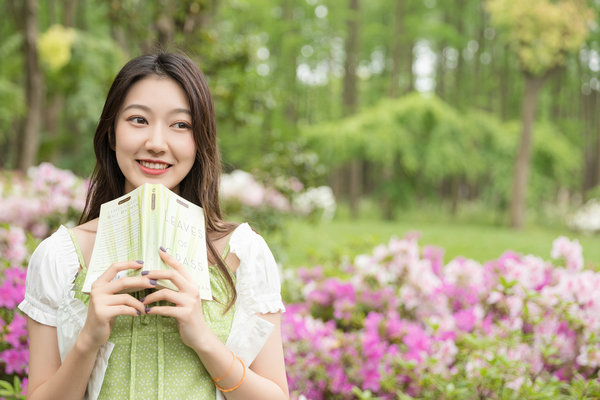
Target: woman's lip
<point>151,171</point>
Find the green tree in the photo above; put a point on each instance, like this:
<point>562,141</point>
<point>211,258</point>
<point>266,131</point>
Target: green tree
<point>541,33</point>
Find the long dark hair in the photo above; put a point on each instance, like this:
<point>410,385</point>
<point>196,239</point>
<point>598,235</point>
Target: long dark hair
<point>201,185</point>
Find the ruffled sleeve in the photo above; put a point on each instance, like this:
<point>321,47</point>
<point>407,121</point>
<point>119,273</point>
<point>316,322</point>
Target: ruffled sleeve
<point>258,284</point>
<point>51,269</point>
<point>258,292</point>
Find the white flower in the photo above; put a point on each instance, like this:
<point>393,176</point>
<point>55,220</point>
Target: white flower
<point>316,199</point>
<point>587,218</point>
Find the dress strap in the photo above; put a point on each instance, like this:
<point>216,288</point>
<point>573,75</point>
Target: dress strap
<point>225,252</point>
<point>80,276</point>
<point>77,248</point>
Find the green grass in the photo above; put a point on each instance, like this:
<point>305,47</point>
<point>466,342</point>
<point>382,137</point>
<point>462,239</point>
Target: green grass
<point>308,244</point>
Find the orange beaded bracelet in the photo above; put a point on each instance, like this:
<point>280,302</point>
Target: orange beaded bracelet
<point>239,383</point>
<point>215,380</point>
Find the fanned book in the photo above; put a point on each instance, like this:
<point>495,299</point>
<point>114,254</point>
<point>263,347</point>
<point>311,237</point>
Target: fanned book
<point>134,226</point>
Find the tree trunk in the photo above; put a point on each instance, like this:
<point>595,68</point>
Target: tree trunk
<point>440,80</point>
<point>505,93</point>
<point>290,52</point>
<point>533,85</point>
<point>350,99</point>
<point>116,28</point>
<point>396,49</point>
<point>55,100</point>
<point>70,12</point>
<point>595,126</point>
<point>351,62</point>
<point>387,202</point>
<point>461,91</point>
<point>29,142</point>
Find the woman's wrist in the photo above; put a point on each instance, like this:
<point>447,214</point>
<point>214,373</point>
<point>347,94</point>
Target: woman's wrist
<point>206,343</point>
<point>85,344</point>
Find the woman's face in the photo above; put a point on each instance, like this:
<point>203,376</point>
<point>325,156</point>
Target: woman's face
<point>154,142</point>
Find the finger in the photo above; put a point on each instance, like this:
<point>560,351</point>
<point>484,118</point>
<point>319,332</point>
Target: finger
<point>172,296</point>
<point>117,267</point>
<point>124,310</point>
<point>127,300</point>
<point>166,311</point>
<point>172,262</point>
<point>130,284</point>
<point>183,284</point>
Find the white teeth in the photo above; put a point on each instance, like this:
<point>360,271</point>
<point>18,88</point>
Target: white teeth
<point>153,165</point>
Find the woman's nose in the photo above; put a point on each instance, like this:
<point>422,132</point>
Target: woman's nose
<point>157,139</point>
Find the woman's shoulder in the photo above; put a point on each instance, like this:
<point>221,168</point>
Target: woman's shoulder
<point>258,277</point>
<point>244,239</point>
<point>55,243</point>
<point>85,234</point>
<point>52,267</point>
<point>53,252</point>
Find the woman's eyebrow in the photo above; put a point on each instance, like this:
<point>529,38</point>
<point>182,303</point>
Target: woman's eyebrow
<point>140,106</point>
<point>181,110</point>
<point>148,109</point>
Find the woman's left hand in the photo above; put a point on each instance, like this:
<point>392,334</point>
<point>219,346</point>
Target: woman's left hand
<point>187,309</point>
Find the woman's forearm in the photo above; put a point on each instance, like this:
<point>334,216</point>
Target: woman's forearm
<point>220,362</point>
<point>70,380</point>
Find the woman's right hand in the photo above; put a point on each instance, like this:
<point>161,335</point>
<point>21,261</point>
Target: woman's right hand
<point>106,302</point>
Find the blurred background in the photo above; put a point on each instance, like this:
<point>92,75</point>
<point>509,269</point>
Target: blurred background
<point>474,122</point>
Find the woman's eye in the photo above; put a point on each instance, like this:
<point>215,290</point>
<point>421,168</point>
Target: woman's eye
<point>137,120</point>
<point>181,125</point>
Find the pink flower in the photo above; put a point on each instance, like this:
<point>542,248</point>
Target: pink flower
<point>11,294</point>
<point>17,331</point>
<point>15,360</point>
<point>295,184</point>
<point>435,255</point>
<point>465,319</point>
<point>417,342</point>
<point>571,251</point>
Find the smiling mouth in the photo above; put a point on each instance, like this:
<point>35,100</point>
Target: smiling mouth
<point>153,165</point>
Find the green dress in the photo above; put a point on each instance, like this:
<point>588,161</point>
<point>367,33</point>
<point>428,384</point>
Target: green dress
<point>149,360</point>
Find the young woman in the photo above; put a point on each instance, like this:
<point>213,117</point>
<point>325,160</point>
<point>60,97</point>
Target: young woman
<point>157,126</point>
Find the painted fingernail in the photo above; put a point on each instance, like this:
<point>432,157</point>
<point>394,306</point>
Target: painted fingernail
<point>145,273</point>
<point>153,281</point>
<point>163,249</point>
<point>147,310</point>
<point>139,262</point>
<point>138,312</point>
<point>142,299</point>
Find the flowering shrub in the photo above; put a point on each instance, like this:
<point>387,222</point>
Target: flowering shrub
<point>287,195</point>
<point>31,207</point>
<point>241,187</point>
<point>403,325</point>
<point>587,218</point>
<point>43,199</point>
<point>14,346</point>
<point>397,323</point>
<point>266,205</point>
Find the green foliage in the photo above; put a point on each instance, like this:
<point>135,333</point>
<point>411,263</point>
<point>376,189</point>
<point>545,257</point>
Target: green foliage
<point>291,159</point>
<point>12,102</point>
<point>428,142</point>
<point>89,56</point>
<point>11,391</point>
<point>275,66</point>
<point>542,32</point>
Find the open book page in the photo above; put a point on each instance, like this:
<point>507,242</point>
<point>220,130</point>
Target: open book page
<point>183,235</point>
<point>118,237</point>
<point>134,226</point>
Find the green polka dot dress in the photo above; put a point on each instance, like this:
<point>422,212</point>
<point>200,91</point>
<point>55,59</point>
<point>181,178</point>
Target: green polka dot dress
<point>149,360</point>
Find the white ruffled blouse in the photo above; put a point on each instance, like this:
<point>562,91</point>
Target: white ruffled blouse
<point>49,297</point>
